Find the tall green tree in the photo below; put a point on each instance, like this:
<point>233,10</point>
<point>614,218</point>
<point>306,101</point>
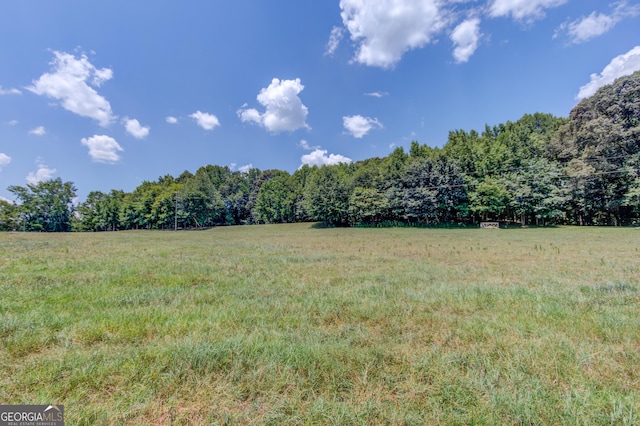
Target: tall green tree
<point>326,195</point>
<point>632,199</point>
<point>537,191</point>
<point>372,173</point>
<point>300,178</point>
<point>152,204</point>
<point>490,199</point>
<point>431,189</point>
<point>235,195</point>
<point>368,206</point>
<point>199,202</point>
<point>256,184</point>
<point>602,136</point>
<point>97,212</point>
<point>423,151</point>
<point>9,220</point>
<point>277,198</point>
<point>464,148</point>
<point>45,206</point>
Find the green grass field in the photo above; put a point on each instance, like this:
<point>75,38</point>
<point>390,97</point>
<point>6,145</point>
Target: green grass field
<point>289,324</point>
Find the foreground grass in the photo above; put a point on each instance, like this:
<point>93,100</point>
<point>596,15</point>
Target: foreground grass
<point>294,325</point>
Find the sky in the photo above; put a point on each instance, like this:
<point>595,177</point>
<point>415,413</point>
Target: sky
<point>108,94</point>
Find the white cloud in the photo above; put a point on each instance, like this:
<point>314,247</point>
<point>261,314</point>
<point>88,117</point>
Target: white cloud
<point>135,129</point>
<point>4,160</point>
<point>205,120</point>
<point>284,109</point>
<point>621,65</point>
<point>319,157</point>
<point>384,30</point>
<point>334,40</point>
<point>305,145</point>
<point>377,94</point>
<point>596,24</point>
<point>522,10</point>
<point>9,91</point>
<point>102,148</point>
<point>249,114</point>
<point>590,27</point>
<point>43,173</point>
<point>359,126</point>
<point>5,199</point>
<point>245,168</point>
<point>465,38</point>
<point>171,120</point>
<point>38,131</point>
<point>69,81</point>
<point>12,122</point>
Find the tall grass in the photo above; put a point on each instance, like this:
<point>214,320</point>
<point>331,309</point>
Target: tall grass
<point>288,324</point>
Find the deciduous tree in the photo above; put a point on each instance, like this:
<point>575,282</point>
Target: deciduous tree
<point>45,206</point>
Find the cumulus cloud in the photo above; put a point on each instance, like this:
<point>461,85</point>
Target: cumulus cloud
<point>41,174</point>
<point>465,39</point>
<point>4,160</point>
<point>319,157</point>
<point>334,40</point>
<point>135,129</point>
<point>9,91</point>
<point>70,82</point>
<point>384,30</point>
<point>38,131</point>
<point>103,149</point>
<point>522,10</point>
<point>596,24</point>
<point>171,120</point>
<point>205,120</point>
<point>359,126</point>
<point>621,65</point>
<point>284,110</point>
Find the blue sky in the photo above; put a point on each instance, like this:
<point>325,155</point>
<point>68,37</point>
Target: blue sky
<point>109,94</point>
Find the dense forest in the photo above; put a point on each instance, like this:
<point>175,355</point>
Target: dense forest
<point>541,169</point>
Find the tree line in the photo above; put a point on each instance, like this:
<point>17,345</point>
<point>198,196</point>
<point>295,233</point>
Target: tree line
<point>540,169</point>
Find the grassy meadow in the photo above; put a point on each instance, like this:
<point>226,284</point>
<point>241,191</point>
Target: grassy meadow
<point>290,324</point>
